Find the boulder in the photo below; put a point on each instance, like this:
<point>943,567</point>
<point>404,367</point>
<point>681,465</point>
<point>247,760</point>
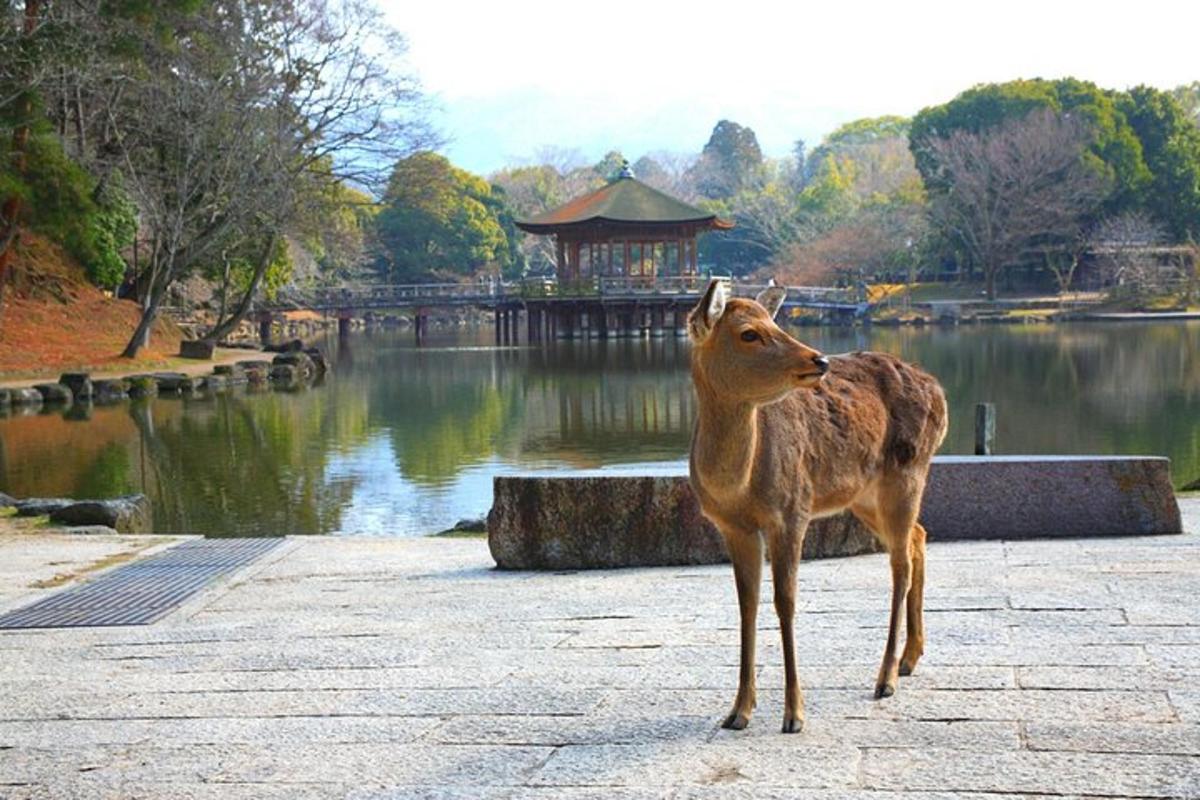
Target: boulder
<point>41,506</point>
<point>5,398</point>
<point>129,514</point>
<point>230,371</point>
<point>7,501</point>
<point>216,383</point>
<point>25,397</point>
<point>292,346</point>
<point>303,363</point>
<point>111,390</point>
<point>318,359</point>
<point>80,384</point>
<point>202,349</point>
<point>143,386</point>
<point>54,393</point>
<point>285,373</point>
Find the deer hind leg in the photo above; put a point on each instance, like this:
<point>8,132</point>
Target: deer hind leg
<point>746,552</point>
<point>914,643</point>
<point>897,514</point>
<point>785,546</point>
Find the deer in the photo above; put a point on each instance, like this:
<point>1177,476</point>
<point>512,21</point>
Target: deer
<point>785,434</point>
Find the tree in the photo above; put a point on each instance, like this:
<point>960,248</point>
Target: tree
<point>1171,148</point>
<point>438,219</point>
<point>730,161</point>
<point>1113,147</point>
<point>1188,97</point>
<point>1013,188</point>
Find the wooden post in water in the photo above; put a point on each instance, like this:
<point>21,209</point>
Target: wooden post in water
<point>985,428</point>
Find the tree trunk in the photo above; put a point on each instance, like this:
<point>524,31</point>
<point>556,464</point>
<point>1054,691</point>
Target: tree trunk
<point>990,280</point>
<point>223,328</point>
<point>11,208</point>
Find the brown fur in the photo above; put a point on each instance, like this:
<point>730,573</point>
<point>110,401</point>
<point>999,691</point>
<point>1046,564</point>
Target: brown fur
<point>776,444</point>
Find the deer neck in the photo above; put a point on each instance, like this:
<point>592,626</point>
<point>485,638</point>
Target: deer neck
<point>725,443</point>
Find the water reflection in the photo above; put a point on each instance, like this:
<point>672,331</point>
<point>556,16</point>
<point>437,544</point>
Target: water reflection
<point>405,441</point>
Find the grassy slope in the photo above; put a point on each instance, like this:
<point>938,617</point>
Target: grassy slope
<point>54,319</point>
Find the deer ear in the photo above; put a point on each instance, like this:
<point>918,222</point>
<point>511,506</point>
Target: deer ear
<point>708,311</point>
<point>771,298</point>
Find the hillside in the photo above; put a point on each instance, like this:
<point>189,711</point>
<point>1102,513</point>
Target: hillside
<point>54,319</point>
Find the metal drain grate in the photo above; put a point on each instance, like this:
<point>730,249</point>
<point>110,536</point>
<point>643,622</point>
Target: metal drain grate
<point>141,592</point>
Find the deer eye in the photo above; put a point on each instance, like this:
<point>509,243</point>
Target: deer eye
<point>750,336</point>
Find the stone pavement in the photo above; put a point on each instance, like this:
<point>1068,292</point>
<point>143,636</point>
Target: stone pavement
<point>374,668</point>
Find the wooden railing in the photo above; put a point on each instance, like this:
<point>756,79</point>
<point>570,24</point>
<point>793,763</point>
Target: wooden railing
<point>633,287</point>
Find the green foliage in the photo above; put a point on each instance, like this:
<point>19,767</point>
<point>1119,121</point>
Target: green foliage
<point>437,218</point>
<point>63,202</point>
<point>730,161</point>
<point>1171,146</point>
<point>1114,149</point>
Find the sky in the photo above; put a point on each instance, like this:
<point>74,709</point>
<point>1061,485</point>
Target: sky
<point>509,79</point>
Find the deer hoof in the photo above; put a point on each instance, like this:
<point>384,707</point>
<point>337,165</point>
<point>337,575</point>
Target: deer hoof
<point>793,724</point>
<point>736,721</point>
<point>906,668</point>
<point>884,690</point>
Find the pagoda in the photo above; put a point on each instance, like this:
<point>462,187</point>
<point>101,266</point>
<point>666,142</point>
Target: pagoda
<point>625,229</point>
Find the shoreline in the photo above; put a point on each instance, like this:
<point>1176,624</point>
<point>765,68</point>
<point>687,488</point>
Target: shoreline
<point>188,366</point>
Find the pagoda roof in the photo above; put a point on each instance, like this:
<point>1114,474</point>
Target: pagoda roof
<point>625,200</point>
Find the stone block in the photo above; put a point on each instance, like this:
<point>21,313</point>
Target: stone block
<point>318,359</point>
<point>303,363</point>
<point>285,373</point>
<point>129,514</point>
<point>231,371</point>
<point>597,522</point>
<point>5,398</point>
<point>80,384</point>
<point>54,393</point>
<point>197,348</point>
<point>553,522</point>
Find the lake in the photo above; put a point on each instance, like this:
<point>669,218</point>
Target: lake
<point>402,441</point>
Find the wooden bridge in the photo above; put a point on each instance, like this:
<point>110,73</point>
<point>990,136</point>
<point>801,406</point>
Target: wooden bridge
<point>593,306</point>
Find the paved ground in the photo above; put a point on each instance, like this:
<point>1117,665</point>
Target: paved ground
<point>375,668</point>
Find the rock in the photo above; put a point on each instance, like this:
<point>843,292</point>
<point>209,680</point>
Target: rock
<point>1194,486</point>
<point>216,383</point>
<point>40,506</point>
<point>143,386</point>
<point>231,371</point>
<point>303,363</point>
<point>54,393</point>
<point>5,398</point>
<point>111,390</point>
<point>318,359</point>
<point>80,384</point>
<point>285,373</point>
<point>174,382</point>
<point>471,525</point>
<point>129,514</point>
<point>25,397</point>
<point>293,346</point>
<point>197,348</point>
<point>7,501</point>
<point>87,530</point>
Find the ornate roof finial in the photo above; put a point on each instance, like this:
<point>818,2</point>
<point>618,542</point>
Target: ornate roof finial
<point>626,170</point>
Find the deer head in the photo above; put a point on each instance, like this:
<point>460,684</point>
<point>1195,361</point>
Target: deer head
<point>740,353</point>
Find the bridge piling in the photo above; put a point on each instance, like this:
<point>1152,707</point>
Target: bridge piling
<point>264,329</point>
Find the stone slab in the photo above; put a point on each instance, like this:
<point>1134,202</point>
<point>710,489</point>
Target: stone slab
<point>602,521</point>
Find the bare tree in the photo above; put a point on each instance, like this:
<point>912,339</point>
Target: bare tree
<point>1014,189</point>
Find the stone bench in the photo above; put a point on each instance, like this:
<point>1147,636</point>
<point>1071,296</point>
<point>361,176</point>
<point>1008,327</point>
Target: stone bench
<point>624,520</point>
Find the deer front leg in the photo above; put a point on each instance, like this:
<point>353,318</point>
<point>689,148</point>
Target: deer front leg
<point>746,552</point>
<point>785,546</point>
<point>899,515</point>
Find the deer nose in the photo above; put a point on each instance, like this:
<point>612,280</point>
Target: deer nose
<point>822,363</point>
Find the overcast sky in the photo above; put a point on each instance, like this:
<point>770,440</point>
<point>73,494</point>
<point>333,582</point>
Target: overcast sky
<point>509,78</point>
